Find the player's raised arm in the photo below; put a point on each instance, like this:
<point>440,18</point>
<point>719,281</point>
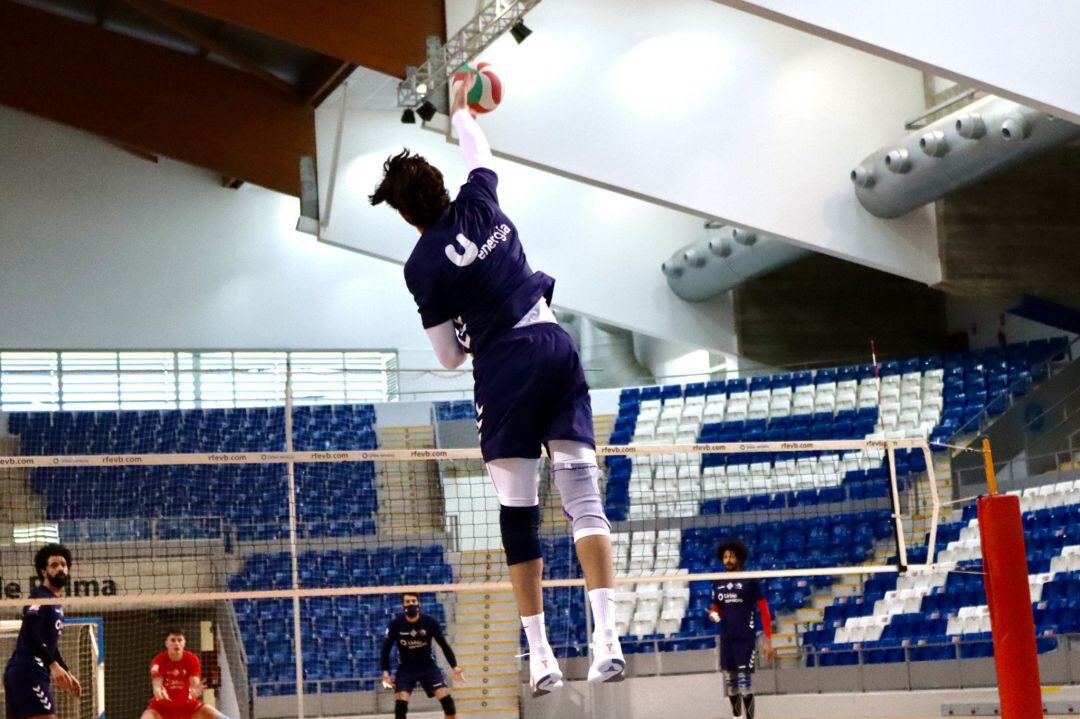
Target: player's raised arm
<point>474,146</point>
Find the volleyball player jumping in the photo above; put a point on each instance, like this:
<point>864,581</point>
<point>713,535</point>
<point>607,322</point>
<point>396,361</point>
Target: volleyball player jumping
<point>476,294</point>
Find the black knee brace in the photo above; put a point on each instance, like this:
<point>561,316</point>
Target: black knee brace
<point>448,706</point>
<point>401,708</point>
<point>520,533</point>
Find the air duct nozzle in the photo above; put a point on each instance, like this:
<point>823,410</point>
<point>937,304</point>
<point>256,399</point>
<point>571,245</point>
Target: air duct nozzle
<point>720,246</point>
<point>695,258</point>
<point>934,144</point>
<point>742,237</point>
<point>863,176</point>
<point>970,126</point>
<point>1015,127</point>
<point>671,269</point>
<point>898,161</point>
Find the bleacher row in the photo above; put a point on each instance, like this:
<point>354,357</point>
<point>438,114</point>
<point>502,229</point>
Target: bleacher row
<point>930,397</point>
<point>195,502</point>
<point>338,500</point>
<point>341,636</point>
<point>672,615</point>
<point>940,614</point>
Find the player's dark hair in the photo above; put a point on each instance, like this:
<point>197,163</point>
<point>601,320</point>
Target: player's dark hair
<point>737,547</point>
<point>410,594</point>
<point>414,187</point>
<point>174,631</point>
<point>41,559</point>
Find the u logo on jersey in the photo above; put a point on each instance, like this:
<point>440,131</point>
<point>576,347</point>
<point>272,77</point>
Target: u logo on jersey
<point>462,259</point>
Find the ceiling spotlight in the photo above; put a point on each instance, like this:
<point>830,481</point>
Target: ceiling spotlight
<point>408,117</point>
<point>520,32</point>
<point>426,111</point>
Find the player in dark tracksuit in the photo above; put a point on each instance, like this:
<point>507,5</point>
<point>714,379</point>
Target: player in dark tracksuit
<point>737,603</point>
<point>36,662</point>
<point>413,633</point>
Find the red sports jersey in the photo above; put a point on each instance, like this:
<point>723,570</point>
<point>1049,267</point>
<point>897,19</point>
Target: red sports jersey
<point>176,676</point>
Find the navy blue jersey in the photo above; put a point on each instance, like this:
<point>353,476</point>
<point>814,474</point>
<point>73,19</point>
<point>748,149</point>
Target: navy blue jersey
<point>736,600</point>
<point>469,267</point>
<point>42,625</point>
<point>414,643</point>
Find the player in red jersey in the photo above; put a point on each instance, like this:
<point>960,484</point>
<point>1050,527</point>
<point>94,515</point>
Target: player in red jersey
<point>176,677</point>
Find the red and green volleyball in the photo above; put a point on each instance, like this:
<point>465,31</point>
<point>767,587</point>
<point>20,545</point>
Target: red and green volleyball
<point>485,88</point>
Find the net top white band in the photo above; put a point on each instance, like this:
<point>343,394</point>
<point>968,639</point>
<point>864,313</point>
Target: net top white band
<point>413,455</point>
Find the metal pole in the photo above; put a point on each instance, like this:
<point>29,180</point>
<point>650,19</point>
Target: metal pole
<point>290,470</point>
<point>988,460</point>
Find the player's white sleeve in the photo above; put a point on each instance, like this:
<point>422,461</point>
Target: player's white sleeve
<point>445,342</point>
<point>474,146</point>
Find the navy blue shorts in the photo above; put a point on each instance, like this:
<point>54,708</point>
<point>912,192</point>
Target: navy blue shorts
<point>530,388</point>
<point>430,679</point>
<point>27,690</point>
<point>738,655</point>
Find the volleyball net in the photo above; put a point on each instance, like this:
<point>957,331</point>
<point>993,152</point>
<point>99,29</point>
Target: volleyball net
<point>279,539</point>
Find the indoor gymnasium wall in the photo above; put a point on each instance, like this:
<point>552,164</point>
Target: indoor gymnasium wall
<point>1035,72</point>
<point>102,250</point>
<point>603,248</point>
<point>714,110</point>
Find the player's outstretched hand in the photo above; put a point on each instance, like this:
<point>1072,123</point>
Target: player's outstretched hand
<point>161,693</point>
<point>459,675</point>
<point>770,653</point>
<point>460,100</point>
<point>196,689</point>
<point>715,616</point>
<point>65,680</point>
<point>387,680</point>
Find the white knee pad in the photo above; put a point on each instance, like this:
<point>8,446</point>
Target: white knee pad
<point>579,485</point>
<point>516,481</point>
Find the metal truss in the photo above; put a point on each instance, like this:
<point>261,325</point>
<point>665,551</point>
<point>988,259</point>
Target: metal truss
<point>492,21</point>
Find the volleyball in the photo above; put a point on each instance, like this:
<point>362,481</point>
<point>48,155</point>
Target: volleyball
<point>485,88</point>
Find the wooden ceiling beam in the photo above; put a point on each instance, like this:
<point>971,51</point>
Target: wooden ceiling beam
<point>167,18</point>
<point>159,100</point>
<point>377,34</point>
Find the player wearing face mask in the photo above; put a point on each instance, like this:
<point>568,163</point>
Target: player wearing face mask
<point>413,633</point>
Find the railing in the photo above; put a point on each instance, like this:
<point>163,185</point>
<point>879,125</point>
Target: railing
<point>808,660</point>
<point>977,422</point>
<point>233,646</point>
<point>1018,470</point>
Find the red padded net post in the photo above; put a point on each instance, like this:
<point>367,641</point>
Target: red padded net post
<point>1008,596</point>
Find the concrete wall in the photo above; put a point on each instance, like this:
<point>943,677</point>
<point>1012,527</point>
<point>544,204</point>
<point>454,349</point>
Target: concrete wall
<point>102,250</point>
<point>717,112</point>
<point>959,40</point>
<point>603,248</point>
<point>701,695</point>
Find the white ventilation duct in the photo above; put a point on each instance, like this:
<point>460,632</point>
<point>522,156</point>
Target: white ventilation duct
<point>983,138</point>
<point>724,259</point>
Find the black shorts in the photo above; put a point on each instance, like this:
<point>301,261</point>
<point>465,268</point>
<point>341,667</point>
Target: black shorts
<point>738,655</point>
<point>430,678</point>
<point>530,388</point>
<point>27,691</point>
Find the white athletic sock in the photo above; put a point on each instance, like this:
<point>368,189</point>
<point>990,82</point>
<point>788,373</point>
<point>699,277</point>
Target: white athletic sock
<point>536,634</point>
<point>603,608</point>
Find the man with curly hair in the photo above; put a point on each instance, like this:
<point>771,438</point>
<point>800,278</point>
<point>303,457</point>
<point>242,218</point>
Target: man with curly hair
<point>737,604</point>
